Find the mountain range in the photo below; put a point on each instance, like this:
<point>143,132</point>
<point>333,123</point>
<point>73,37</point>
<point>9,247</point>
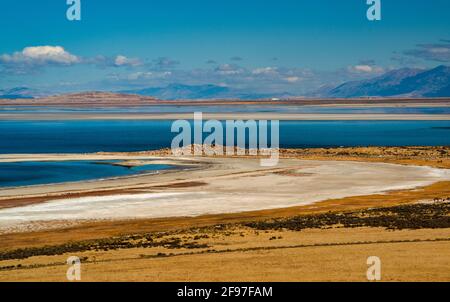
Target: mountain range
<point>20,93</point>
<point>192,92</point>
<point>405,82</point>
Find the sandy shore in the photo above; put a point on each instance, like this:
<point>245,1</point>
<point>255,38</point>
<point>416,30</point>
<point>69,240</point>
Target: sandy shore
<point>215,186</point>
<point>228,116</point>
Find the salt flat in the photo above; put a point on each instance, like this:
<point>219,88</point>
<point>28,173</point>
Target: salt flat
<point>225,185</point>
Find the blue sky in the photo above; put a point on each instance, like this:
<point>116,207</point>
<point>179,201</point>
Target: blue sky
<point>283,45</point>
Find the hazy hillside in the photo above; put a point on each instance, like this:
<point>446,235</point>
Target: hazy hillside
<point>401,82</point>
<point>180,91</point>
<point>20,93</point>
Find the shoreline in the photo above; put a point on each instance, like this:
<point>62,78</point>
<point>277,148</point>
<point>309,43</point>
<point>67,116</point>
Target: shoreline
<point>214,175</point>
<point>108,100</point>
<point>225,116</point>
<point>93,230</point>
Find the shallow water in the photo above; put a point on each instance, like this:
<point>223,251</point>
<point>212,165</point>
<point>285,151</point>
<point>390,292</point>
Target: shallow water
<point>37,173</point>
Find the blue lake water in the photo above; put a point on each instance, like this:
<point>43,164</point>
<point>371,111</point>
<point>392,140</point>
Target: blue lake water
<point>94,136</point>
<point>38,173</point>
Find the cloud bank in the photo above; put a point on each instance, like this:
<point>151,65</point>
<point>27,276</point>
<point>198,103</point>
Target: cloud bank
<point>439,52</point>
<point>122,72</point>
<point>31,58</point>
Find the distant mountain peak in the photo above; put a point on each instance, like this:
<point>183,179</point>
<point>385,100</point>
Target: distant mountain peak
<point>442,68</point>
<point>20,93</point>
<point>413,82</point>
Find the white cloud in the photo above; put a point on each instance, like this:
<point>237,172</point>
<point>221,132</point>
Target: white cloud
<point>120,61</point>
<point>439,50</point>
<point>41,55</point>
<point>363,68</point>
<point>33,58</point>
<point>265,71</point>
<point>366,69</point>
<point>292,79</point>
<point>229,69</point>
<point>140,75</point>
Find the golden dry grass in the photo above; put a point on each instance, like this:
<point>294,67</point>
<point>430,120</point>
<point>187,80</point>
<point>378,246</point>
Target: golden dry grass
<point>247,255</point>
